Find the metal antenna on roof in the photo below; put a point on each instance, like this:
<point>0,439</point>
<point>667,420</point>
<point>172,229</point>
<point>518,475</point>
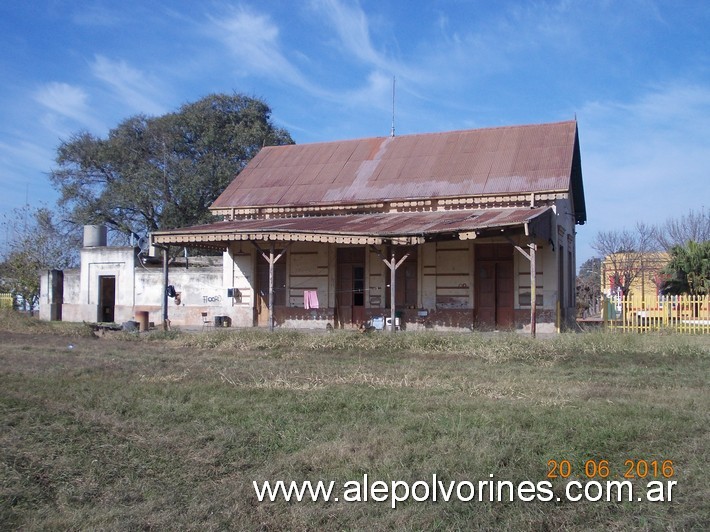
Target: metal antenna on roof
<point>393,85</point>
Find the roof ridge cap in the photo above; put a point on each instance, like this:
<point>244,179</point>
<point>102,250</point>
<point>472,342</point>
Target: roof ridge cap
<point>428,133</point>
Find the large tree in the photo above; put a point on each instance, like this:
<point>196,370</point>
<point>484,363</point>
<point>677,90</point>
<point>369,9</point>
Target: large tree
<point>37,242</point>
<point>162,172</point>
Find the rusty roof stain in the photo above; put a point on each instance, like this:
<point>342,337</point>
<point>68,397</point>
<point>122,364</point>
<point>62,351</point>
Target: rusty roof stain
<point>503,160</point>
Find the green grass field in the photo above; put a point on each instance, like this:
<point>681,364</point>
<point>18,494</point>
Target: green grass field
<point>168,431</point>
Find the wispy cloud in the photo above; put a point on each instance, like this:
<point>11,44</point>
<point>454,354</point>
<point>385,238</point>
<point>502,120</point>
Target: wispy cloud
<point>132,87</point>
<point>497,41</point>
<point>253,41</point>
<point>68,101</point>
<point>376,92</point>
<point>351,25</point>
<point>23,163</point>
<point>646,159</point>
<point>678,106</point>
<point>655,126</point>
<point>352,28</point>
<point>18,157</point>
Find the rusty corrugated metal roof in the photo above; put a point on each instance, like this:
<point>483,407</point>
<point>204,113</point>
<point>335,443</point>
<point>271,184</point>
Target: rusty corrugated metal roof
<point>505,160</point>
<point>380,225</point>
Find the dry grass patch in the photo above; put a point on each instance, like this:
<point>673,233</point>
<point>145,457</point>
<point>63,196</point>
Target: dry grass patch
<point>168,430</point>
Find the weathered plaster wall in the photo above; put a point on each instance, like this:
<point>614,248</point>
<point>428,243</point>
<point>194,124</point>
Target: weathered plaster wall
<point>565,241</point>
<point>454,275</point>
<point>308,268</point>
<point>198,290</point>
<point>81,296</point>
<point>445,284</point>
<point>238,273</point>
<point>140,288</point>
<point>72,296</point>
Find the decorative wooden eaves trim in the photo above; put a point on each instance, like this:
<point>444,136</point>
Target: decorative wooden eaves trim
<point>518,200</point>
<point>275,212</point>
<point>464,202</point>
<point>222,239</point>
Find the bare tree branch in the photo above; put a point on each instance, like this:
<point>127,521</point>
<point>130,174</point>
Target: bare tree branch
<point>691,227</point>
<point>622,253</point>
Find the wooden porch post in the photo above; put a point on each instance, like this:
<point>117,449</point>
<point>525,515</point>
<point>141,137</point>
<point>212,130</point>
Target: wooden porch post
<point>272,259</point>
<point>392,264</point>
<point>533,288</point>
<point>272,248</point>
<point>393,313</point>
<point>533,294</point>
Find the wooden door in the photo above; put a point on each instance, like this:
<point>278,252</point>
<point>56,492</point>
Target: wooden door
<point>350,291</point>
<point>494,285</point>
<point>504,294</point>
<point>486,293</point>
<point>344,295</point>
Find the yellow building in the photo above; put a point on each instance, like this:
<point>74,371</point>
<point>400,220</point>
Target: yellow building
<point>644,269</point>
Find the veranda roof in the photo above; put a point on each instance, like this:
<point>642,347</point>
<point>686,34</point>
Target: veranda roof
<point>399,228</point>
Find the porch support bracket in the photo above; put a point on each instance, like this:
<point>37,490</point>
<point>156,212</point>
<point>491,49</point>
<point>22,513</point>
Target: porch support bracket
<point>392,264</point>
<point>272,259</point>
<point>530,256</point>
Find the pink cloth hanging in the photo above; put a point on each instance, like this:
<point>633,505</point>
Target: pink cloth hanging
<point>310,299</point>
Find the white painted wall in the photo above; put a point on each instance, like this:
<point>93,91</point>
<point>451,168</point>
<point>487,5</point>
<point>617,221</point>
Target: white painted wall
<point>81,292</point>
<point>140,288</point>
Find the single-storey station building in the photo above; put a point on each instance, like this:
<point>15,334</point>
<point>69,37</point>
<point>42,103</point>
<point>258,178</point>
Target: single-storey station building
<point>470,229</point>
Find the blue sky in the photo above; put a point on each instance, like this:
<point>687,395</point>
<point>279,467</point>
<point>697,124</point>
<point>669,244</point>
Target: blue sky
<point>635,73</point>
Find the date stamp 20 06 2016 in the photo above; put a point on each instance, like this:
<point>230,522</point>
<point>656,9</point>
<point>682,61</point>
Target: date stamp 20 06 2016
<point>632,469</point>
<point>597,486</point>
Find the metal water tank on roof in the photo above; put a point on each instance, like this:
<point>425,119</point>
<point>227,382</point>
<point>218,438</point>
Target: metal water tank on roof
<point>95,236</point>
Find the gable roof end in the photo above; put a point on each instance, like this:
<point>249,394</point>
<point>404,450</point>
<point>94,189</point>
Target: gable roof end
<point>577,186</point>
